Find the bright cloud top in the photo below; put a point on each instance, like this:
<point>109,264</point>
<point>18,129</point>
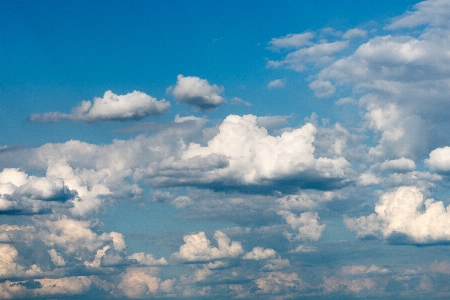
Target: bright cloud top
<point>197,247</point>
<point>400,212</point>
<point>197,92</point>
<point>132,106</point>
<point>257,158</point>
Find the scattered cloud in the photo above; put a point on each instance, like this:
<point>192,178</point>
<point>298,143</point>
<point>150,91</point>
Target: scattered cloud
<point>276,84</point>
<point>197,92</point>
<point>112,107</point>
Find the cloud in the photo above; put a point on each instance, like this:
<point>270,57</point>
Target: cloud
<point>239,101</point>
<point>257,158</point>
<point>198,248</point>
<point>292,40</point>
<point>306,224</point>
<point>259,253</point>
<point>400,213</point>
<point>277,83</point>
<point>322,88</point>
<point>142,282</point>
<point>197,92</point>
<point>398,165</point>
<point>432,12</point>
<point>439,160</point>
<point>353,33</point>
<point>112,107</point>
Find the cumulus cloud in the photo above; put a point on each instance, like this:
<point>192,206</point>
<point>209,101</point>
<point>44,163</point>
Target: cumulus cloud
<point>197,247</point>
<point>398,165</point>
<point>400,213</point>
<point>132,106</point>
<point>259,253</point>
<point>439,160</point>
<point>143,282</point>
<point>277,83</point>
<point>322,88</point>
<point>257,158</point>
<point>306,224</point>
<point>197,92</point>
<point>355,32</point>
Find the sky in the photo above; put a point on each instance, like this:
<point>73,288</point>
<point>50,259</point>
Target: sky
<point>224,150</point>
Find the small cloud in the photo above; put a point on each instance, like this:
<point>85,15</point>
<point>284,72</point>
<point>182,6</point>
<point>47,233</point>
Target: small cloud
<point>352,33</point>
<point>112,107</point>
<point>322,88</point>
<point>292,40</point>
<point>197,92</point>
<point>239,101</point>
<point>346,100</point>
<point>277,83</point>
<point>259,253</point>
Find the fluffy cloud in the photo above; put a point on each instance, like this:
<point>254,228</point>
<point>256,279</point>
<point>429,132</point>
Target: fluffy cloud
<point>112,107</point>
<point>433,12</point>
<point>142,282</point>
<point>256,158</point>
<point>198,92</point>
<point>439,160</point>
<point>400,213</point>
<point>20,193</point>
<point>277,83</point>
<point>197,247</point>
<point>280,283</point>
<point>398,165</point>
<point>259,253</point>
<point>306,224</point>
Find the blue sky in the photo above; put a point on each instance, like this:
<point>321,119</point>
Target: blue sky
<point>196,149</point>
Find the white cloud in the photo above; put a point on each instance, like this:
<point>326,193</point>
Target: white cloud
<point>292,40</point>
<point>317,53</point>
<point>353,33</point>
<point>142,282</point>
<point>279,282</point>
<point>197,247</point>
<point>259,253</point>
<point>439,160</point>
<point>346,100</point>
<point>400,212</point>
<point>257,158</point>
<point>306,224</point>
<point>322,88</point>
<point>277,83</point>
<point>112,107</point>
<point>399,165</point>
<point>433,12</point>
<point>198,92</point>
<point>239,101</point>
<point>147,259</point>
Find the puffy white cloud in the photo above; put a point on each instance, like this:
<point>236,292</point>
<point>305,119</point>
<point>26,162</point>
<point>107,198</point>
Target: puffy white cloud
<point>306,224</point>
<point>292,40</point>
<point>277,83</point>
<point>398,165</point>
<point>239,101</point>
<point>401,212</point>
<point>197,247</point>
<point>259,253</point>
<point>366,179</point>
<point>198,92</point>
<point>132,106</point>
<point>139,282</point>
<point>439,160</point>
<point>257,158</point>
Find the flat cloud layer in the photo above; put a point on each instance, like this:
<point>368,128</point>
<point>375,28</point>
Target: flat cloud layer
<point>132,106</point>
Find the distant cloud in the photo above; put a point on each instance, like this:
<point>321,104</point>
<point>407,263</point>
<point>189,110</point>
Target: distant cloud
<point>399,165</point>
<point>352,33</point>
<point>277,83</point>
<point>346,100</point>
<point>197,92</point>
<point>292,40</point>
<point>112,107</point>
<point>322,88</point>
<point>239,101</point>
<point>197,247</point>
<point>259,253</point>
